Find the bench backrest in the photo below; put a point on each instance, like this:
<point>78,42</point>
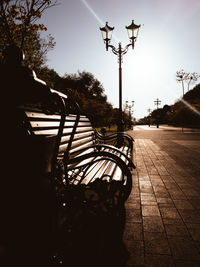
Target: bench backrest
<point>75,133</point>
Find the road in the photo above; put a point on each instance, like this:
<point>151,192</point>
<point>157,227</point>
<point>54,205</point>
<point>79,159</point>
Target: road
<point>163,210</point>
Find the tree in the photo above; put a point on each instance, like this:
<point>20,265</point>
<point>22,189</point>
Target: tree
<point>50,76</point>
<point>180,77</point>
<point>188,77</point>
<point>18,26</point>
<point>86,84</point>
<point>84,89</point>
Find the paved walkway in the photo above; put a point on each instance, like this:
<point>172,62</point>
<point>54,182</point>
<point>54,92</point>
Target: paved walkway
<point>163,210</point>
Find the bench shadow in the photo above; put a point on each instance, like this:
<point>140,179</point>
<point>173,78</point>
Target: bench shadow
<point>91,234</point>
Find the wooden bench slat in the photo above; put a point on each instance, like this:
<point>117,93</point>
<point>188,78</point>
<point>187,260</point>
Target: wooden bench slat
<point>65,138</point>
<point>78,136</point>
<point>75,151</point>
<point>99,172</point>
<point>49,124</point>
<point>84,124</point>
<point>80,142</point>
<point>46,131</point>
<point>42,116</point>
<point>83,129</point>
<point>93,171</point>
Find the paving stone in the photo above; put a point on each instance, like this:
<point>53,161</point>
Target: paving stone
<point>150,210</point>
<point>195,202</point>
<point>143,176</point>
<point>173,221</point>
<point>156,243</point>
<point>183,248</point>
<point>155,177</point>
<point>136,252</point>
<point>190,193</point>
<point>187,263</point>
<point>146,189</point>
<point>183,204</point>
<point>135,206</point>
<point>176,230</point>
<point>176,194</point>
<point>147,197</point>
<point>133,198</point>
<point>186,185</point>
<point>153,224</point>
<point>190,216</point>
<point>171,205</point>
<point>156,182</point>
<point>159,189</point>
<point>171,185</point>
<point>133,231</point>
<point>194,230</point>
<point>159,261</point>
<point>136,191</point>
<point>149,203</point>
<point>168,212</point>
<point>152,170</point>
<point>162,194</point>
<point>164,200</point>
<point>134,216</point>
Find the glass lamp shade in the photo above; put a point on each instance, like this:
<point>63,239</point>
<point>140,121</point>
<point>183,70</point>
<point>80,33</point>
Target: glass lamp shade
<point>133,31</point>
<point>107,32</point>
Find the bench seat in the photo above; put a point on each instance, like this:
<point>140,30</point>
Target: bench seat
<point>80,151</point>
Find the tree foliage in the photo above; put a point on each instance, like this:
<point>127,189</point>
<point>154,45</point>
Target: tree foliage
<point>85,89</point>
<point>86,84</point>
<point>18,25</point>
<point>88,92</point>
<point>186,77</point>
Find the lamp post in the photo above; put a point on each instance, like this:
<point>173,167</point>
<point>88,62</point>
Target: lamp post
<point>129,107</point>
<point>157,102</point>
<point>149,111</point>
<point>107,35</point>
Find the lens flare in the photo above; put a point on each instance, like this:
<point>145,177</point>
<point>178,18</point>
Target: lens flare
<point>190,106</point>
<point>94,14</point>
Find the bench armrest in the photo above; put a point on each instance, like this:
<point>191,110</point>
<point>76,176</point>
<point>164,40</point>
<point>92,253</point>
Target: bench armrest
<point>105,155</point>
<point>115,136</point>
<point>102,148</point>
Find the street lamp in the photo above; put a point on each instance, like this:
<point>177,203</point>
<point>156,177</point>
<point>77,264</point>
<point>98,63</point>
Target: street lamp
<point>129,107</point>
<point>107,35</point>
<point>149,111</point>
<point>157,102</point>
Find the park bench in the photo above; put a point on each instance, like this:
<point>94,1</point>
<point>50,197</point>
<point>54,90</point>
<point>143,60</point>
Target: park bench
<point>85,167</point>
<point>75,146</point>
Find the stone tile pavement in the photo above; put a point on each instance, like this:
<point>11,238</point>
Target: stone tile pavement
<point>163,210</point>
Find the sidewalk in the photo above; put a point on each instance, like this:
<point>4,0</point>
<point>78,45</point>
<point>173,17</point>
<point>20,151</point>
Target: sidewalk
<point>163,210</point>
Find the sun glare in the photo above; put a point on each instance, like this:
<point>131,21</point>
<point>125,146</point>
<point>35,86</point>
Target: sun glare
<point>190,106</point>
<point>94,14</point>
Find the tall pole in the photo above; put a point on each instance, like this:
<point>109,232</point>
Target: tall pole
<point>129,107</point>
<point>149,111</point>
<point>120,124</point>
<point>157,102</point>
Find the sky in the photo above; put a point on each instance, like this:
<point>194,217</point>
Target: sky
<point>168,41</point>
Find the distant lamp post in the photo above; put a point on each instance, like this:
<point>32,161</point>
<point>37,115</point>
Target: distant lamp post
<point>107,35</point>
<point>149,111</point>
<point>129,108</point>
<point>157,102</point>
